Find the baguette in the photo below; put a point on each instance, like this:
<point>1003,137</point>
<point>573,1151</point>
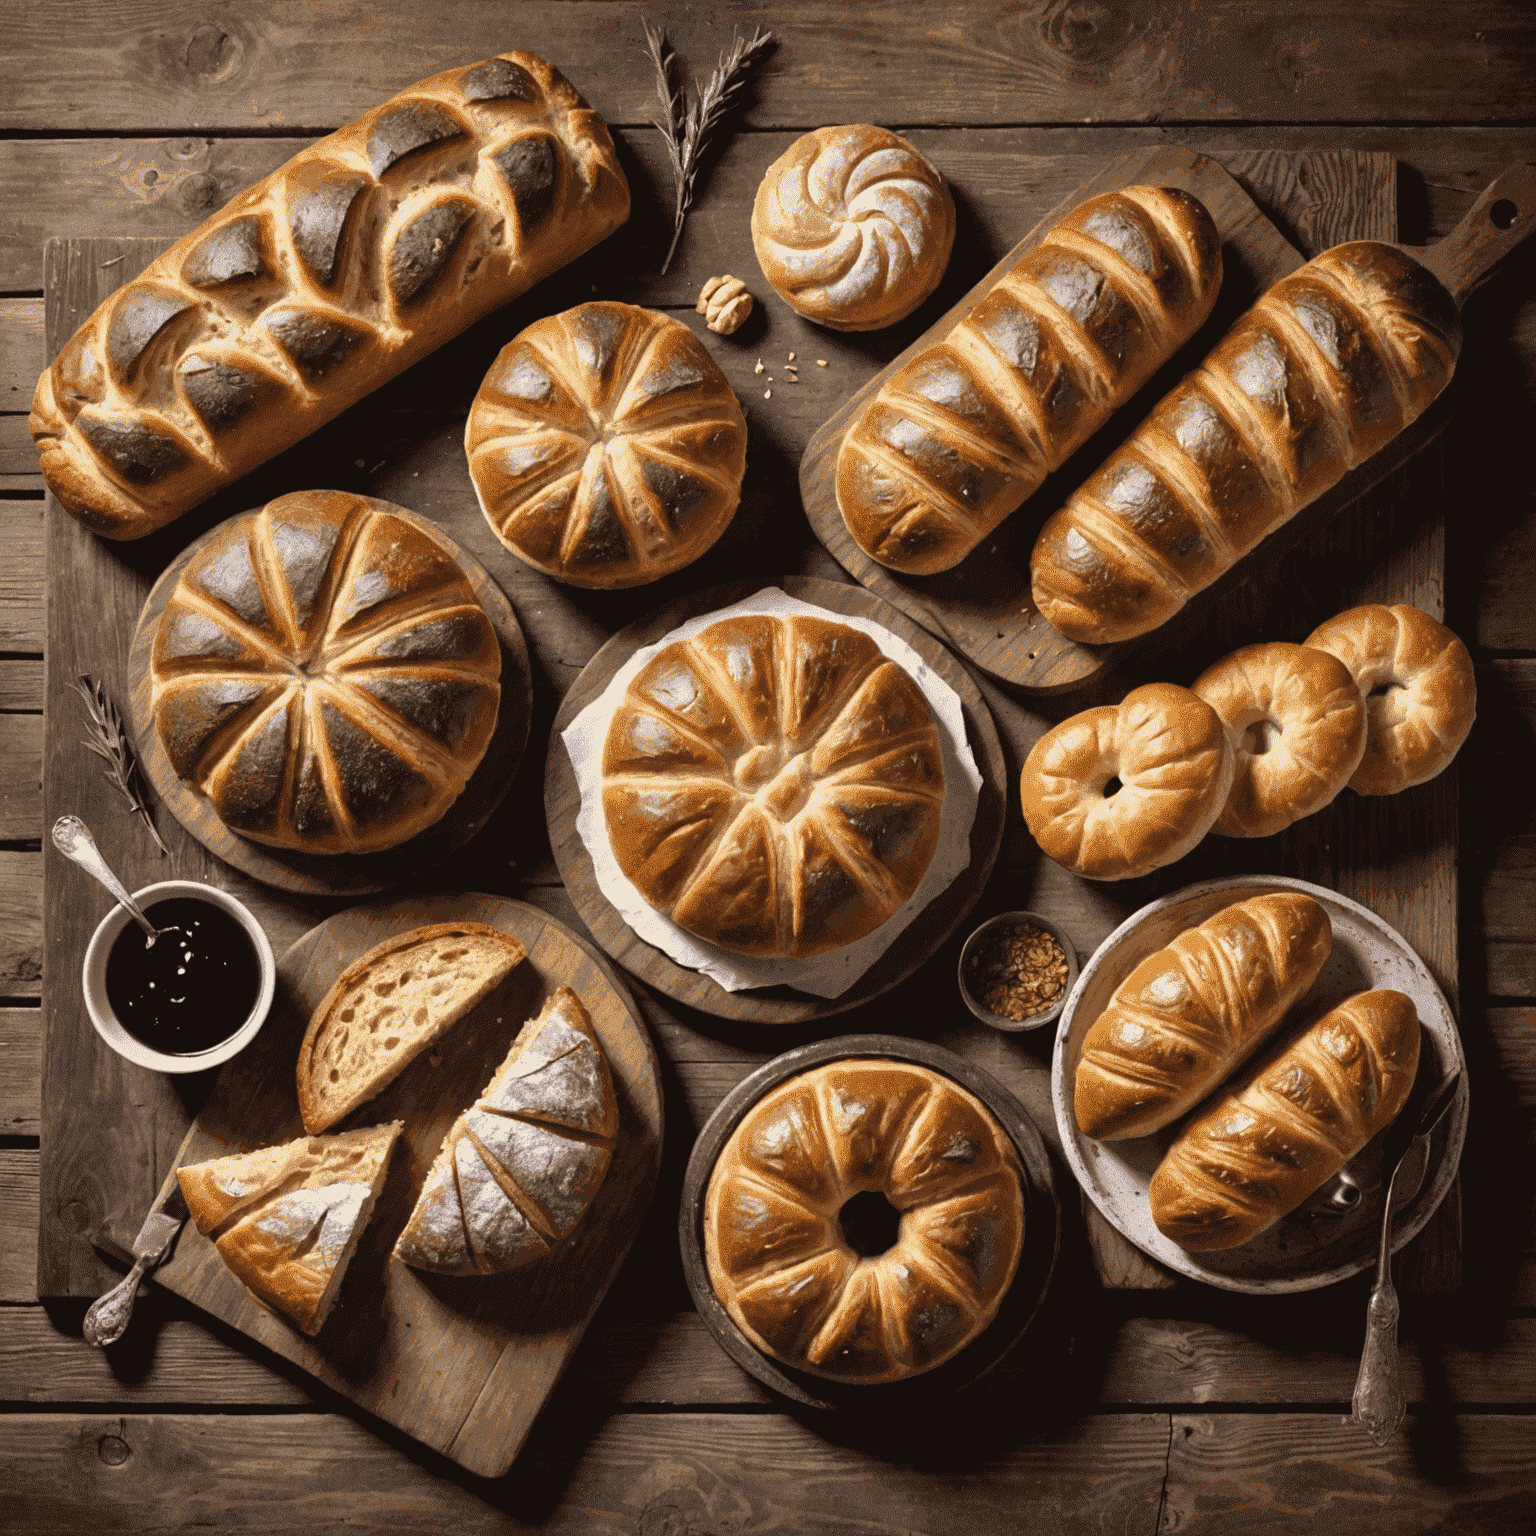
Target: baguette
<point>1189,1014</point>
<point>962,435</point>
<point>1267,1143</point>
<point>1327,367</point>
<point>339,270</point>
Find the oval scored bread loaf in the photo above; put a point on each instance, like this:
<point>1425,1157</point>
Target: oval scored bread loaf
<point>853,227</point>
<point>1189,1014</point>
<point>1419,686</point>
<point>961,435</point>
<point>342,268</point>
<point>606,447</point>
<point>774,785</point>
<point>1328,366</point>
<point>1269,1141</point>
<point>1298,727</point>
<point>778,1224</point>
<point>517,1171</point>
<point>1122,789</point>
<point>325,675</point>
<point>389,1005</point>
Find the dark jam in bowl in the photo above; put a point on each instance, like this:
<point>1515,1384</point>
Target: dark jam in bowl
<point>193,987</point>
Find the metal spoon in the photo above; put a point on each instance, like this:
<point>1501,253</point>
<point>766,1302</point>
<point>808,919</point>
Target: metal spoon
<point>1379,1404</point>
<point>73,839</point>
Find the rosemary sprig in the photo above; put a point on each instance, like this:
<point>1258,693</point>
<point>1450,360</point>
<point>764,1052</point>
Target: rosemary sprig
<point>109,741</point>
<point>688,126</point>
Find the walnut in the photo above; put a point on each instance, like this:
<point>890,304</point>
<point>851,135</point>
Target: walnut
<point>725,303</point>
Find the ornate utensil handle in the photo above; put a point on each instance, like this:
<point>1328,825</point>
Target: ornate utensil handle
<point>108,1315</point>
<point>1379,1404</point>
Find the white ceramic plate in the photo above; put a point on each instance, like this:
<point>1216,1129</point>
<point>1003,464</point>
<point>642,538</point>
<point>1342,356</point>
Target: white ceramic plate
<point>1308,1248</point>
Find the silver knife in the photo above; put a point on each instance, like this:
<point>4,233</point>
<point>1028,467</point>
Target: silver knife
<point>108,1315</point>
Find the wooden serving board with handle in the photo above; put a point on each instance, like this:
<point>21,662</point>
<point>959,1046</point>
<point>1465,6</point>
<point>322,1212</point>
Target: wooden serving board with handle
<point>463,1364</point>
<point>983,606</point>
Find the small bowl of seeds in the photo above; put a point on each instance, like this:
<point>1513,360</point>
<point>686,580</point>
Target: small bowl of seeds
<point>1016,971</point>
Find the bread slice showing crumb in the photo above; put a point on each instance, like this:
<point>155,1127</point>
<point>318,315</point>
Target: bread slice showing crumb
<point>287,1219</point>
<point>391,1004</point>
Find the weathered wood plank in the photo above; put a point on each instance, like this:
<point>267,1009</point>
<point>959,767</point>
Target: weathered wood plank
<point>1504,858</point>
<point>21,344</point>
<point>647,1473</point>
<point>21,683</point>
<point>265,67</point>
<point>23,606</point>
<point>18,454</point>
<point>1245,1473</point>
<point>18,1223</point>
<point>21,777</point>
<point>21,923</point>
<point>21,1071</point>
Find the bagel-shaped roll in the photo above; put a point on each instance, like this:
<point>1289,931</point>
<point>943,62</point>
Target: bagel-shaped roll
<point>1195,1010</point>
<point>853,227</point>
<point>1121,790</point>
<point>1419,688</point>
<point>1272,1139</point>
<point>1297,724</point>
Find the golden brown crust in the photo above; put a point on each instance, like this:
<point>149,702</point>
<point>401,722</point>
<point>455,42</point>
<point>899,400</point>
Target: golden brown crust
<point>1419,687</point>
<point>1293,1121</point>
<point>1329,364</point>
<point>1297,723</point>
<point>1120,790</point>
<point>341,269</point>
<point>606,447</point>
<point>324,674</point>
<point>962,435</point>
<point>853,227</point>
<point>780,1261</point>
<point>389,1005</point>
<point>1187,1015</point>
<point>774,785</point>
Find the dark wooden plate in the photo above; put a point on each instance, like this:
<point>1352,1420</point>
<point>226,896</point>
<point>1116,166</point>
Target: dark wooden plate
<point>1042,1231</point>
<point>462,1364</point>
<point>772,1005</point>
<point>354,874</point>
<point>983,607</point>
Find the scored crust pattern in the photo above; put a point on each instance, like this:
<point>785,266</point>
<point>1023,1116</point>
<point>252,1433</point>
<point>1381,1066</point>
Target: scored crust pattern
<point>606,446</point>
<point>325,675</point>
<point>780,1262</point>
<point>774,785</point>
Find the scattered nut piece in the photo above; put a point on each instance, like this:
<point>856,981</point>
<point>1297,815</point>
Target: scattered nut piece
<point>821,362</point>
<point>767,394</point>
<point>759,367</point>
<point>725,303</point>
<point>791,357</point>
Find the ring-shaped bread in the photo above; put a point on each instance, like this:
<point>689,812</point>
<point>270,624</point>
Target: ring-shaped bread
<point>1120,790</point>
<point>1297,723</point>
<point>1419,688</point>
<point>796,1267</point>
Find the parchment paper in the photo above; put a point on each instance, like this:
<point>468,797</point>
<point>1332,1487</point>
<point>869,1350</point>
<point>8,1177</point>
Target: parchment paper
<point>827,975</point>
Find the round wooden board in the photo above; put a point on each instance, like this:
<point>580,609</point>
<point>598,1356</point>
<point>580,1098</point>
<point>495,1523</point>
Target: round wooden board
<point>772,1005</point>
<point>462,1364</point>
<point>1310,1247</point>
<point>356,874</point>
<point>1037,1262</point>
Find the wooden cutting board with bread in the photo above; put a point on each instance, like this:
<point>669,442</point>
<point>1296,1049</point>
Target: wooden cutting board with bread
<point>1323,387</point>
<point>452,1315</point>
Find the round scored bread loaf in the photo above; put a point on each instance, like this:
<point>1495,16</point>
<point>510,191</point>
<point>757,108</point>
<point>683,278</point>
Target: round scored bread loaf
<point>359,256</point>
<point>1297,723</point>
<point>1268,1141</point>
<point>1419,687</point>
<point>774,785</point>
<point>864,1221</point>
<point>606,447</point>
<point>959,437</point>
<point>1120,790</point>
<point>1190,1013</point>
<point>324,674</point>
<point>1328,366</point>
<point>853,227</point>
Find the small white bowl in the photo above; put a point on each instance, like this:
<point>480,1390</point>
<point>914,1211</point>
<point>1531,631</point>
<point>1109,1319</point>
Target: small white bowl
<point>94,981</point>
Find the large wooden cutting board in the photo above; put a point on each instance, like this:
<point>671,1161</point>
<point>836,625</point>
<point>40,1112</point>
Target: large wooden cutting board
<point>463,1364</point>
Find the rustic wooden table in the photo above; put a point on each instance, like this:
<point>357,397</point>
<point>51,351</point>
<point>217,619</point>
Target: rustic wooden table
<point>1134,1404</point>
